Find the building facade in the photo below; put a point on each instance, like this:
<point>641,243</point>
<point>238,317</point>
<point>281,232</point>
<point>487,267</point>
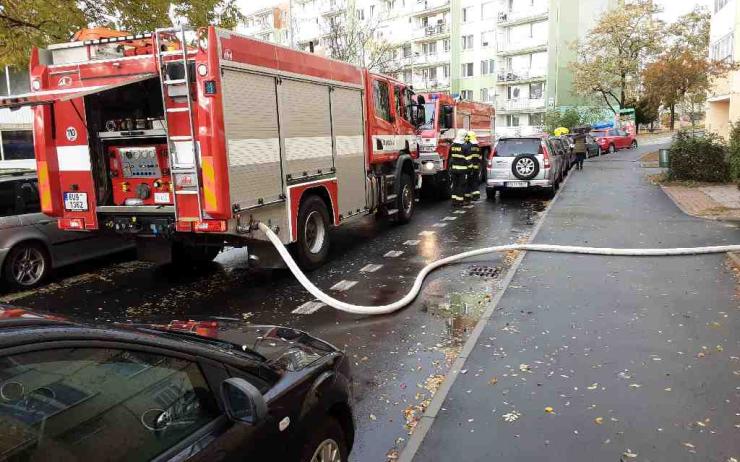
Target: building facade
<point>723,103</point>
<point>270,24</point>
<point>513,54</point>
<point>16,127</point>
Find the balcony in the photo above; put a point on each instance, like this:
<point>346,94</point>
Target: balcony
<point>521,47</point>
<point>332,8</point>
<point>512,77</point>
<point>431,32</point>
<point>420,60</point>
<point>422,85</point>
<point>515,18</point>
<point>430,7</point>
<point>521,105</point>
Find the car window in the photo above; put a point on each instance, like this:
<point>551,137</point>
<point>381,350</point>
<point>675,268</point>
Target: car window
<point>7,198</point>
<point>612,133</point>
<point>515,146</point>
<point>382,97</point>
<point>27,197</point>
<point>81,403</point>
<point>622,133</point>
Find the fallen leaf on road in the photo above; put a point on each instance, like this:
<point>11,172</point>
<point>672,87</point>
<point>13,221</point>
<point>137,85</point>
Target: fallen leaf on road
<point>593,387</point>
<point>524,367</point>
<point>511,416</point>
<point>549,410</point>
<point>599,420</point>
<point>689,445</point>
<point>372,417</point>
<point>635,385</point>
<point>629,454</point>
<point>493,381</point>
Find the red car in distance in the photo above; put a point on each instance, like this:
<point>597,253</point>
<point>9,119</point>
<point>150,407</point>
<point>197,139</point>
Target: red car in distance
<point>612,139</point>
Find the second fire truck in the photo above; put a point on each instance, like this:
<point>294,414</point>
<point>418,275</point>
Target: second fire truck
<point>185,140</point>
<point>444,116</point>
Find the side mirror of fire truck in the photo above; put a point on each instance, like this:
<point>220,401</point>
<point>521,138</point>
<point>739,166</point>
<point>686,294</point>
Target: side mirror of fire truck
<point>418,114</point>
<point>449,116</point>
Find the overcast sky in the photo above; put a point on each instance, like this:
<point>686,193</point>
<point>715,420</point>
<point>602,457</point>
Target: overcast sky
<point>672,9</point>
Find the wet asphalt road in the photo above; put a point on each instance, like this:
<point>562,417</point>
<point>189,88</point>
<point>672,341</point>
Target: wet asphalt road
<point>605,359</point>
<point>399,359</point>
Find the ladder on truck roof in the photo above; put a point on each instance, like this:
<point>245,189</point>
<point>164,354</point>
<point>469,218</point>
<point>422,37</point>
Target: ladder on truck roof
<point>184,151</point>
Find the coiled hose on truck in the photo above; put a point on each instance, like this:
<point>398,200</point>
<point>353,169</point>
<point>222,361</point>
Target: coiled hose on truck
<point>414,292</point>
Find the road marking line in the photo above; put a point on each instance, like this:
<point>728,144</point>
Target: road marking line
<point>449,218</point>
<point>468,206</point>
<point>394,254</point>
<point>309,307</point>
<point>412,242</point>
<point>341,286</point>
<point>427,233</point>
<point>439,225</point>
<point>460,212</point>
<point>370,268</point>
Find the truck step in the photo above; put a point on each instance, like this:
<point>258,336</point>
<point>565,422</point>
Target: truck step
<point>392,212</point>
<point>181,138</point>
<point>186,192</point>
<point>175,82</point>
<point>177,109</point>
<point>391,197</point>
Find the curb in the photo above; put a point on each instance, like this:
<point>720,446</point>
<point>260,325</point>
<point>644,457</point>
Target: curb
<point>430,414</point>
<point>682,209</point>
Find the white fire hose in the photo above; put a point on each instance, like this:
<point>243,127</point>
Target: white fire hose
<point>414,292</point>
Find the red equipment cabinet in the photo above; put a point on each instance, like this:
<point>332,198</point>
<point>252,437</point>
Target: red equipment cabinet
<point>140,175</point>
<point>254,132</point>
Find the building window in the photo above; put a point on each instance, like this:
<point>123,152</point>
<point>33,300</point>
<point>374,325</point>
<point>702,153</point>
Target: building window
<point>466,94</point>
<point>467,14</point>
<point>513,92</point>
<point>719,4</point>
<point>467,42</point>
<point>446,70</point>
<point>536,90</point>
<point>407,51</point>
<point>486,39</point>
<point>722,49</point>
<point>486,67</point>
<point>486,95</point>
<point>429,48</point>
<point>537,119</point>
<point>446,44</point>
<point>361,14</point>
<point>407,76</point>
<point>467,70</point>
<point>487,10</point>
<point>16,144</point>
<point>372,10</point>
<point>382,97</point>
<point>512,120</point>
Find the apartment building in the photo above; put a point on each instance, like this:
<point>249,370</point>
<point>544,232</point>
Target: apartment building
<point>723,103</point>
<point>511,53</point>
<point>270,24</point>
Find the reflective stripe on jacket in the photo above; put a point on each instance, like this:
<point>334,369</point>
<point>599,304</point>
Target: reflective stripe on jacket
<point>474,157</point>
<point>459,156</point>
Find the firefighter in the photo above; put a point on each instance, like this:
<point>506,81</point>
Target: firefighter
<point>473,191</point>
<point>459,152</point>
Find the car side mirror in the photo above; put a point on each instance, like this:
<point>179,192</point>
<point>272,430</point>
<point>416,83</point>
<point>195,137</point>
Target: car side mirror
<point>243,402</point>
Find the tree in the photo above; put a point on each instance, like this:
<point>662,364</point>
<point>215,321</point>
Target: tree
<point>682,73</point>
<point>358,42</point>
<point>28,23</point>
<point>610,56</point>
<point>646,110</point>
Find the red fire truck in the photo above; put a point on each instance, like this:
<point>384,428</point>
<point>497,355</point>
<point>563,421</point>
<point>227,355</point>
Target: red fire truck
<point>187,139</point>
<point>444,116</point>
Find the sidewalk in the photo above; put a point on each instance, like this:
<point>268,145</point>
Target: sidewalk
<point>597,358</point>
<point>720,202</point>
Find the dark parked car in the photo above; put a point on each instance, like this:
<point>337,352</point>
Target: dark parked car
<point>199,390</point>
<point>31,244</point>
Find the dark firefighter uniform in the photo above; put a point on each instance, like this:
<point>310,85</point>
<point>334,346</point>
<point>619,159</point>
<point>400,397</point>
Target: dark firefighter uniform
<point>459,166</point>
<point>474,158</point>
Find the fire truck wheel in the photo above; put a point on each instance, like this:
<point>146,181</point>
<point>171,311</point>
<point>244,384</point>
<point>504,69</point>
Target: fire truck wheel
<point>405,202</point>
<point>312,247</point>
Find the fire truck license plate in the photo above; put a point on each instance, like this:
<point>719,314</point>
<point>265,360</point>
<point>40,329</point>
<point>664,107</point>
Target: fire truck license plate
<point>76,202</point>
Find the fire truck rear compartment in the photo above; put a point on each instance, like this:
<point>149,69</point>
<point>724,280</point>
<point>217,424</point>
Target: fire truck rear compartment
<point>128,146</point>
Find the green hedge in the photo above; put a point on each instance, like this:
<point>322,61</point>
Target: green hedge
<point>734,150</point>
<point>699,158</point>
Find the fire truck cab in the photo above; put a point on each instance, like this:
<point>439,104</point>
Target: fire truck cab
<point>444,116</point>
<point>185,140</point>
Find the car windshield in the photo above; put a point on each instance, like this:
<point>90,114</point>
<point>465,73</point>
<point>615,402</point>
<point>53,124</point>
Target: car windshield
<point>430,115</point>
<point>517,146</point>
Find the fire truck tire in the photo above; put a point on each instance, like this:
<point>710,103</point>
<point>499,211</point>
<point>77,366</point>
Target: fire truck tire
<point>312,247</point>
<point>405,203</point>
<point>443,186</point>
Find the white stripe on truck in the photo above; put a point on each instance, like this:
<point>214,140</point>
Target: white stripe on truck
<point>73,158</point>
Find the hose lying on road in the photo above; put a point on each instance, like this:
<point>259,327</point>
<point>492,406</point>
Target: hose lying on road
<point>395,306</point>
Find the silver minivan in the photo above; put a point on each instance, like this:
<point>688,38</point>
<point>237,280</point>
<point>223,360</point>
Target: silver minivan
<point>31,244</point>
<point>525,163</point>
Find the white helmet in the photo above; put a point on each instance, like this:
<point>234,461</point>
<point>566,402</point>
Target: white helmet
<point>460,137</point>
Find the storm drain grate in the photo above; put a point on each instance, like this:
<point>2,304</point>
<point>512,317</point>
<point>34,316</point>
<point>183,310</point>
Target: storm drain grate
<point>487,272</point>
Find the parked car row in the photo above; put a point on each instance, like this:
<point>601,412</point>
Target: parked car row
<point>542,161</point>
